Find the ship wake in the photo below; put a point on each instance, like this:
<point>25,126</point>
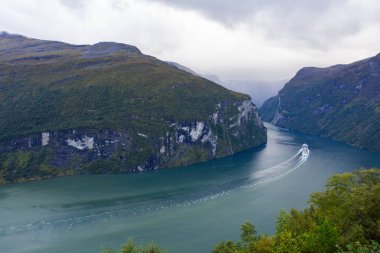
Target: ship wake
<point>161,201</point>
<point>280,169</point>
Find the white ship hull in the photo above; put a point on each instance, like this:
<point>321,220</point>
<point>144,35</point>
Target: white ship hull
<point>305,150</point>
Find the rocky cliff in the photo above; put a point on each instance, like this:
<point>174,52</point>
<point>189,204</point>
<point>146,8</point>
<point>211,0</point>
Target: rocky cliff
<point>108,108</point>
<point>341,102</point>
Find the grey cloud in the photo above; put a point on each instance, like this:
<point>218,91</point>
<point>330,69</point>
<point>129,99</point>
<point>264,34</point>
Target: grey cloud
<point>244,40</point>
<point>305,23</point>
<point>231,12</point>
<point>73,4</point>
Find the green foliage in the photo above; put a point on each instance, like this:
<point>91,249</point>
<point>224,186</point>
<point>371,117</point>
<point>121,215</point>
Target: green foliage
<point>62,87</point>
<point>249,242</point>
<point>373,247</point>
<point>22,165</point>
<point>108,250</point>
<point>263,244</point>
<point>346,214</point>
<point>120,90</point>
<point>248,235</point>
<point>339,101</point>
<point>287,242</point>
<point>326,236</point>
<point>282,221</point>
<point>226,247</point>
<point>131,247</point>
<point>351,203</point>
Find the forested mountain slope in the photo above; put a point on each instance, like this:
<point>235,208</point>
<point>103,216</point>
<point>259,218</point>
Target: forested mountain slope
<point>106,108</point>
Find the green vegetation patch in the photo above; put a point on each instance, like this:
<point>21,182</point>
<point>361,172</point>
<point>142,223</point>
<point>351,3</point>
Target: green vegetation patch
<point>343,218</point>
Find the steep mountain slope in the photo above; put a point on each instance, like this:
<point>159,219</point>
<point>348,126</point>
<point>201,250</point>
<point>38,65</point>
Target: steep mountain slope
<point>259,90</point>
<point>184,68</point>
<point>107,108</point>
<point>341,101</point>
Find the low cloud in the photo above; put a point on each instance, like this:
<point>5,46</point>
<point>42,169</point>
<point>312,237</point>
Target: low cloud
<point>249,39</point>
<point>315,24</point>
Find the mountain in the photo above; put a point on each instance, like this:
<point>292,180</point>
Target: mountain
<point>341,102</point>
<point>184,68</point>
<point>214,78</point>
<point>108,108</point>
<point>259,90</point>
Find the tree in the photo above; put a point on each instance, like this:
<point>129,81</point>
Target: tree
<point>264,244</point>
<point>356,247</point>
<point>352,203</point>
<point>282,221</point>
<point>326,237</point>
<point>286,242</point>
<point>248,235</point>
<point>347,214</point>
<point>225,247</point>
<point>131,247</point>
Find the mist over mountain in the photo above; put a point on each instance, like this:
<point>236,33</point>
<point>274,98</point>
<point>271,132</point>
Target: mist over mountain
<point>259,90</point>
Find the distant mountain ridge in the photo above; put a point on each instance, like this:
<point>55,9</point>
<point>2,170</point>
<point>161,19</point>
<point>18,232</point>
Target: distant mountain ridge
<point>259,90</point>
<point>108,108</point>
<point>341,101</point>
<point>184,68</point>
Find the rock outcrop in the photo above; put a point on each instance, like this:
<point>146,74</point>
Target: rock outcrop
<point>108,108</point>
<point>341,102</point>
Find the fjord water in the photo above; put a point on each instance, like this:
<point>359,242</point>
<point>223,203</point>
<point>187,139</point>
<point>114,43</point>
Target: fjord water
<point>185,209</point>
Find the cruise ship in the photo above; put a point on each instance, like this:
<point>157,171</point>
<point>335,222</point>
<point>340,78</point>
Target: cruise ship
<point>305,150</point>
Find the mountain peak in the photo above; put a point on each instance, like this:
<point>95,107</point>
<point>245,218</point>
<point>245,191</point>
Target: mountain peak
<point>104,48</point>
<point>109,108</point>
<point>4,34</point>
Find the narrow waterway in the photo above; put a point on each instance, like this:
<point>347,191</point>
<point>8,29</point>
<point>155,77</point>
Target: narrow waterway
<point>185,209</point>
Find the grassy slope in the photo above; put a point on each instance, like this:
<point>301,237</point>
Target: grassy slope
<point>70,90</point>
<point>51,86</point>
<point>341,102</point>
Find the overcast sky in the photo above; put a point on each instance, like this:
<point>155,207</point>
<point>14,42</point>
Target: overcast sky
<point>245,39</point>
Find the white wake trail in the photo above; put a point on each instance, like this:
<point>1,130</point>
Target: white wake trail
<point>72,220</point>
<point>281,169</point>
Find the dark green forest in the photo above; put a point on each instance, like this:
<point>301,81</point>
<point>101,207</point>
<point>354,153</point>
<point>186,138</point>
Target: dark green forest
<point>340,101</point>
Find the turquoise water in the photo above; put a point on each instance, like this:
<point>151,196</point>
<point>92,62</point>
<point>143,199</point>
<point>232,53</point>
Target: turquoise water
<point>185,209</point>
